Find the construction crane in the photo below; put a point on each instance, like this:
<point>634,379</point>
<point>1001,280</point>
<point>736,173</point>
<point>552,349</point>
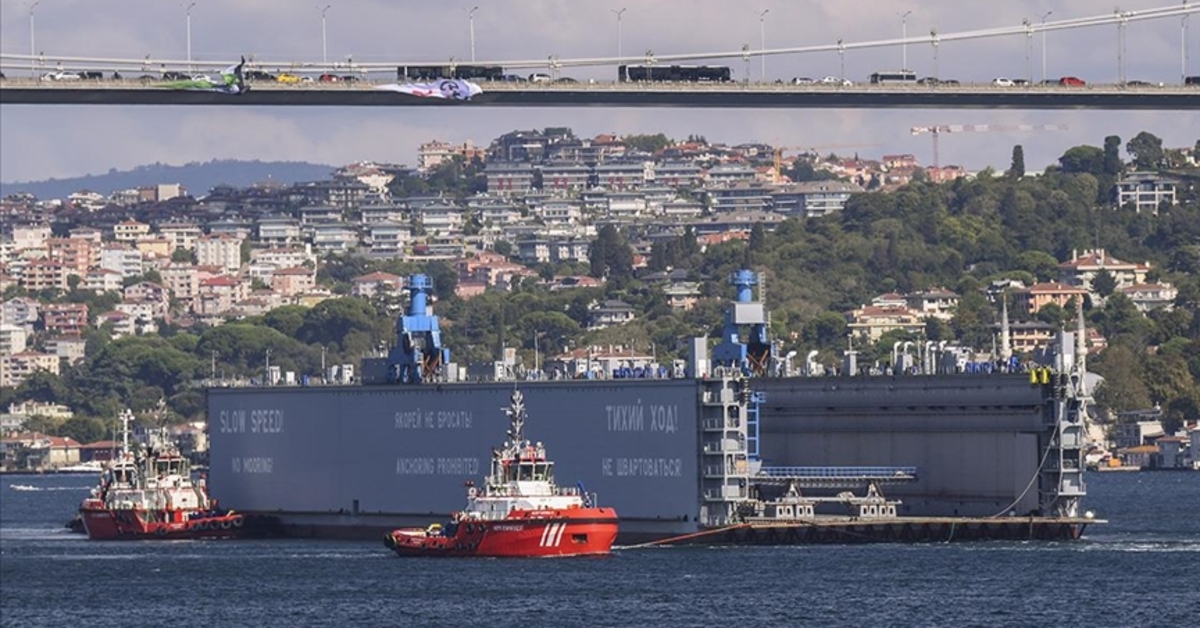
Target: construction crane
<point>937,131</point>
<point>811,149</point>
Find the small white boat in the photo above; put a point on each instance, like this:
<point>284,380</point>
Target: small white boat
<point>91,466</point>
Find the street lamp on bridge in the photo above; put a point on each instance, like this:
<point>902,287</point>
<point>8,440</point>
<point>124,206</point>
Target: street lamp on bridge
<point>1044,16</point>
<point>324,47</point>
<point>32,39</point>
<point>762,39</point>
<point>471,27</point>
<point>619,14</point>
<point>904,40</point>
<point>188,20</point>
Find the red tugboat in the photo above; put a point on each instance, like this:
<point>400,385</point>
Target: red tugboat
<point>519,512</point>
<point>153,497</point>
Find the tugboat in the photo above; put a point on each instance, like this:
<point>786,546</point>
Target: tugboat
<point>153,496</point>
<point>519,512</point>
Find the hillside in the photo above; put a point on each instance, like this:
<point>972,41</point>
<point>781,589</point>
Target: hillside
<point>196,177</point>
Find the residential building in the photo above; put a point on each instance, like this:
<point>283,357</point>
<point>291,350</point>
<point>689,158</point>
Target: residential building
<point>335,237</point>
<point>147,291</point>
<point>676,174</point>
<point>182,235</point>
<point>65,319</point>
<point>218,295</point>
<point>143,314</point>
<point>625,205</point>
<point>440,219</point>
<point>1151,296</point>
<point>559,213</point>
<point>1029,336</point>
<point>151,247</point>
<point>611,312</point>
<point>130,230</point>
<point>1145,191</point>
<point>376,283</point>
<point>565,176</point>
<point>76,255</point>
<point>44,274</point>
<point>627,175</point>
<point>13,339</point>
<point>388,212</point>
<point>872,321</point>
<point>388,239</point>
<point>30,237</point>
<point>320,214</point>
<point>813,198</point>
<point>935,302</point>
<point>15,368</point>
<point>1083,268</point>
<point>745,196</point>
<point>1037,296</point>
<point>20,312</point>
<point>93,236</point>
<point>224,251</point>
<point>279,231</point>
<point>72,349</point>
<point>284,257</point>
<point>509,177</point>
<point>292,281</point>
<point>372,175</point>
<point>683,295</point>
<point>122,259</point>
<point>728,173</point>
<point>181,280</point>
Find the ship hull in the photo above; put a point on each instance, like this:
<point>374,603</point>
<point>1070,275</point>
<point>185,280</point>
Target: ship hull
<point>103,524</point>
<point>580,532</point>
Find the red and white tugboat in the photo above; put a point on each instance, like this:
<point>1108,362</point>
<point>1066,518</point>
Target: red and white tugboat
<point>153,497</point>
<point>519,512</point>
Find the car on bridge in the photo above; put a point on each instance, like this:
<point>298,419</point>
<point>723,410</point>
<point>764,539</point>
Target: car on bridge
<point>292,79</point>
<point>61,76</point>
<point>1071,81</point>
<point>1192,80</point>
<point>258,75</point>
<point>1003,82</point>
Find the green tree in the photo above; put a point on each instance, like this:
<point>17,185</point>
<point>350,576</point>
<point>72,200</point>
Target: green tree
<point>1053,314</point>
<point>610,255</point>
<point>1080,159</point>
<point>648,143</point>
<point>1147,150</point>
<point>1104,283</point>
<point>445,279</point>
<point>1017,169</point>
<point>1122,388</point>
<point>183,256</point>
<point>83,429</point>
<point>1112,156</point>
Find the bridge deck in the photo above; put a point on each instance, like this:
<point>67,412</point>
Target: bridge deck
<point>729,95</point>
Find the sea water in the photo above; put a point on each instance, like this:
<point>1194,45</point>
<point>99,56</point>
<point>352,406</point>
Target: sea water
<point>1140,569</point>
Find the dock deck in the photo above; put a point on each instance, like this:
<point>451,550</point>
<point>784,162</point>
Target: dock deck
<point>831,529</point>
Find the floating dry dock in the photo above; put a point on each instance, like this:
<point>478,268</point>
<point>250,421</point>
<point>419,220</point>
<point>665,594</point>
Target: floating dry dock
<point>897,530</point>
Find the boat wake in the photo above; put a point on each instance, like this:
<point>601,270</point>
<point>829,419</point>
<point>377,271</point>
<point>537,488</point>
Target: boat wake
<point>29,488</point>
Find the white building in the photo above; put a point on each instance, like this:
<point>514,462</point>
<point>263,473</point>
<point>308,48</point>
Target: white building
<point>124,260</point>
<point>221,250</point>
<point>30,237</point>
<point>1145,191</point>
<point>13,339</point>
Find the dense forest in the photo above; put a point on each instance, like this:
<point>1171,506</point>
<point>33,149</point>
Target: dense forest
<point>959,235</point>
